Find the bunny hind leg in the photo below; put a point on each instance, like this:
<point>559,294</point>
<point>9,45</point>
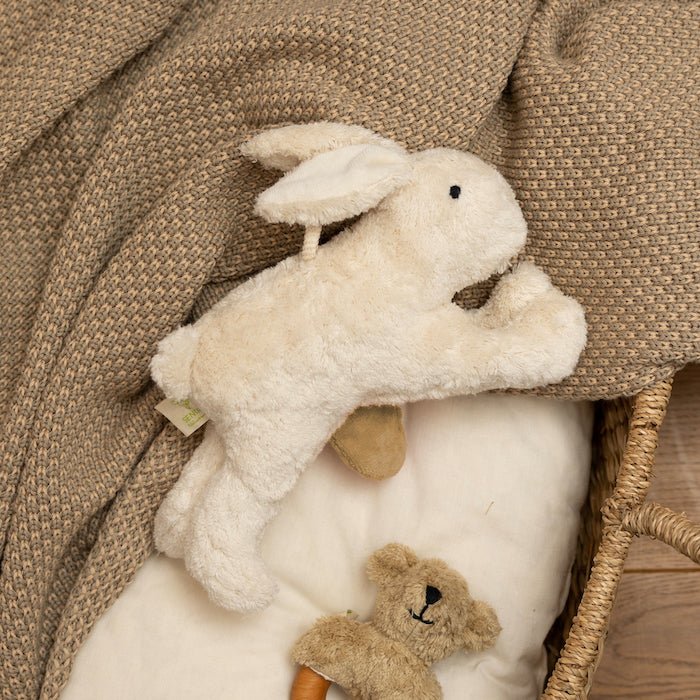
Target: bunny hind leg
<point>172,523</point>
<point>223,552</point>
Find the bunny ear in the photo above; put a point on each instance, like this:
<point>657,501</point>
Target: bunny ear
<point>288,146</point>
<point>334,186</point>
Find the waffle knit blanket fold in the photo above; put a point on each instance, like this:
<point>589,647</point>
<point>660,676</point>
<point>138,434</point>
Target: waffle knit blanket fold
<point>126,209</point>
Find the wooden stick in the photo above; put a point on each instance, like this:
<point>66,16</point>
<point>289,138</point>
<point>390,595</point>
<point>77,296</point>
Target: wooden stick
<point>309,685</point>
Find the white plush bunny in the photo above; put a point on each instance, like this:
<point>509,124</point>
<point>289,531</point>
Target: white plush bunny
<point>365,319</point>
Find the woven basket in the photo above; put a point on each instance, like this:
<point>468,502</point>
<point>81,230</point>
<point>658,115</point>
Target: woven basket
<point>625,440</point>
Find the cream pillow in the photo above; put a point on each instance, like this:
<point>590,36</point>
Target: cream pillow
<point>492,484</point>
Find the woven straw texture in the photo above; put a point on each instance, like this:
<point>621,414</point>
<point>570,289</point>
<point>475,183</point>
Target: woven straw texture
<point>626,438</point>
<point>126,209</point>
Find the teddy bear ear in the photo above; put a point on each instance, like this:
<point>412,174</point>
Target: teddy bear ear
<point>390,561</point>
<point>483,628</point>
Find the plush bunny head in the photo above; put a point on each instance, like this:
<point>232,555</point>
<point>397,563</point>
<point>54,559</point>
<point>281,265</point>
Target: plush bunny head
<point>426,605</point>
<point>454,215</point>
<point>458,215</point>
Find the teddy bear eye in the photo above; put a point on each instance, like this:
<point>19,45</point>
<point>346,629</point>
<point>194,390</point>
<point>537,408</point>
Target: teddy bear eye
<point>455,191</point>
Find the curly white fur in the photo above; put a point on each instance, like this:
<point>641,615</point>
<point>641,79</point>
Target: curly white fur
<point>280,361</point>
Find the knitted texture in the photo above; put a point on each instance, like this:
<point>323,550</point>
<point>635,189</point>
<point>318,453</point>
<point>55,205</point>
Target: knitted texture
<point>126,210</point>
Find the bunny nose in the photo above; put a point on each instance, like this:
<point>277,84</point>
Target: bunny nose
<point>432,595</point>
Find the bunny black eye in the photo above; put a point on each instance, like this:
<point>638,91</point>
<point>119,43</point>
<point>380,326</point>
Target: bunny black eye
<point>455,191</point>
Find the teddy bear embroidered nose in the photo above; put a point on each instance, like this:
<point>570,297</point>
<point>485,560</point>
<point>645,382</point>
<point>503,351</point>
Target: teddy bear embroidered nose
<point>420,617</point>
<point>432,595</point>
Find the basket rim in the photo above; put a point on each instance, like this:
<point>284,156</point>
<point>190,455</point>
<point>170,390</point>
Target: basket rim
<point>578,660</point>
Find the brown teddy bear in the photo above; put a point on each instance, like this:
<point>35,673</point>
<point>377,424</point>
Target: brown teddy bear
<point>423,613</point>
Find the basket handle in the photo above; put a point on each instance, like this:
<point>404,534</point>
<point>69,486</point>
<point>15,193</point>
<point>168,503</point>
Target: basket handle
<point>664,524</point>
<point>309,685</point>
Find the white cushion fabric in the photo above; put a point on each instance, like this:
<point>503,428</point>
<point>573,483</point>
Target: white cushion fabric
<point>492,484</point>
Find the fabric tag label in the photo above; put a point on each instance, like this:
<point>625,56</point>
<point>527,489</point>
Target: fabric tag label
<point>184,415</point>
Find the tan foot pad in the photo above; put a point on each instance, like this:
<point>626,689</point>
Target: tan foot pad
<point>372,441</point>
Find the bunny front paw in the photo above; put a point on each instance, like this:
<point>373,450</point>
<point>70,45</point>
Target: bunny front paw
<point>514,293</point>
<point>548,339</point>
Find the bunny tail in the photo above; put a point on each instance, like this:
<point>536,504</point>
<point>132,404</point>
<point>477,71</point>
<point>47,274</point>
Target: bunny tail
<point>171,365</point>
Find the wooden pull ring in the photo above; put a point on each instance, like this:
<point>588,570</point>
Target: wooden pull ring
<point>309,685</point>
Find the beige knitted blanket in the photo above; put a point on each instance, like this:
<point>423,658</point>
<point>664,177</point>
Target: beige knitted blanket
<point>126,209</point>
